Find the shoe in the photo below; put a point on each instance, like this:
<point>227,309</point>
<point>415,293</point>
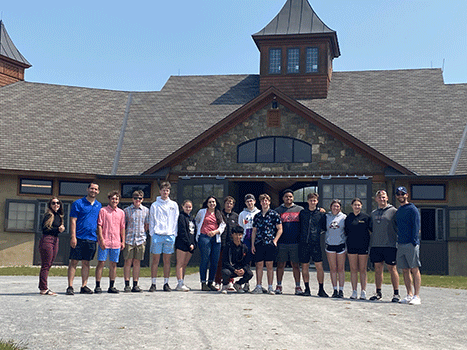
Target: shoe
<point>182,288</point>
<point>341,294</point>
<point>85,290</point>
<point>265,291</point>
<point>323,294</point>
<point>278,290</point>
<point>48,292</point>
<point>335,294</point>
<point>396,298</point>
<point>377,296</point>
<point>97,290</point>
<point>136,289</point>
<point>224,289</point>
<point>415,300</point>
<point>306,293</point>
<point>271,291</point>
<point>363,295</point>
<point>127,289</point>
<point>406,300</point>
<point>238,288</point>
<point>212,287</point>
<point>70,291</point>
<point>152,288</point>
<point>231,286</point>
<point>112,290</point>
<point>354,295</point>
<point>258,290</point>
<point>205,287</point>
<point>167,288</point>
<point>298,290</point>
<point>246,287</point>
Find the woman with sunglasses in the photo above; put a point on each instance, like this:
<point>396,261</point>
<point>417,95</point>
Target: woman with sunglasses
<point>52,226</point>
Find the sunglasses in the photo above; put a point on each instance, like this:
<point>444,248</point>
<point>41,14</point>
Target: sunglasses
<point>400,193</point>
<point>55,203</point>
<point>138,198</point>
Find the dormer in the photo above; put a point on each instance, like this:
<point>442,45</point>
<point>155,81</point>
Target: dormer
<point>12,62</point>
<point>297,50</point>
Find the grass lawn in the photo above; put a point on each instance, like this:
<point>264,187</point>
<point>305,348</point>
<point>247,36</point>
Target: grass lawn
<point>11,345</point>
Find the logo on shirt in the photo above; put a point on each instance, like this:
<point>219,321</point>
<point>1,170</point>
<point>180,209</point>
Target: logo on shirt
<point>334,225</point>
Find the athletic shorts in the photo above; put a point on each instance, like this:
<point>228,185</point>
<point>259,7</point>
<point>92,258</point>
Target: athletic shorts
<point>134,251</point>
<point>112,254</point>
<point>408,256</point>
<point>84,250</point>
<point>359,251</point>
<point>386,254</point>
<point>310,250</point>
<point>339,249</point>
<point>287,252</point>
<point>162,244</point>
<point>265,252</point>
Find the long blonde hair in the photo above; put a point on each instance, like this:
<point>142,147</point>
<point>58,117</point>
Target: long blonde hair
<point>49,214</point>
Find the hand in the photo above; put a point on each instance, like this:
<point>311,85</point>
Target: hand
<point>101,244</point>
<point>73,242</point>
<point>240,272</point>
<point>253,250</point>
<point>192,247</point>
<point>61,228</point>
<point>123,246</point>
<point>274,242</point>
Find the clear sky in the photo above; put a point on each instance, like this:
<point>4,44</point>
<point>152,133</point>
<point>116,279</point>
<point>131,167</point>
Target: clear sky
<point>137,45</point>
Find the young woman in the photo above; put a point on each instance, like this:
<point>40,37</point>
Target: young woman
<point>52,226</point>
<point>333,224</point>
<point>210,224</point>
<point>357,230</point>
<point>185,243</point>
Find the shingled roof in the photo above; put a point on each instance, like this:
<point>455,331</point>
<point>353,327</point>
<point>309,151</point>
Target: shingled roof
<point>9,50</point>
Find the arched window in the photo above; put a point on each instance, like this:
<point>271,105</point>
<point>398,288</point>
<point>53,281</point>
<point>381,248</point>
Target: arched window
<point>274,149</point>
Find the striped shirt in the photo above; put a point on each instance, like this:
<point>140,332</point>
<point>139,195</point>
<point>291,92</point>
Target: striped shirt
<point>135,219</point>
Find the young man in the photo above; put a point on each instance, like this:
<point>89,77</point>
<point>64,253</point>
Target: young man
<point>83,225</point>
<point>111,238</point>
<point>163,219</point>
<point>267,229</point>
<point>235,262</point>
<point>287,246</point>
<point>383,244</point>
<point>310,243</point>
<point>136,226</point>
<point>408,246</point>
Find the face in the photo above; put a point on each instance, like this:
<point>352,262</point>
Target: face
<point>187,207</point>
<point>265,203</point>
<point>335,208</point>
<point>228,205</point>
<point>250,203</point>
<point>55,205</point>
<point>402,197</point>
<point>137,200</point>
<point>212,203</point>
<point>237,237</point>
<point>312,203</point>
<point>114,200</point>
<point>165,192</point>
<point>288,199</point>
<point>357,207</point>
<point>93,190</point>
<point>382,199</point>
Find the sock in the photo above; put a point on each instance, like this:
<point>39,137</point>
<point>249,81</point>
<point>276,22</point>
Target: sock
<point>297,284</point>
<point>335,288</point>
<point>259,285</point>
<point>269,286</point>
<point>127,283</point>
<point>153,280</point>
<point>180,282</point>
<point>166,280</point>
<point>279,283</point>
<point>396,291</point>
<point>307,285</point>
<point>321,286</point>
<point>98,284</point>
<point>341,288</point>
<point>378,291</point>
<point>135,283</point>
<point>112,283</point>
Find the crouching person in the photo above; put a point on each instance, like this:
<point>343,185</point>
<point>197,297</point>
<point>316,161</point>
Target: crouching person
<point>235,262</point>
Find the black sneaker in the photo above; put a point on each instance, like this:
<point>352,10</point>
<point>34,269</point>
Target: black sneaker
<point>127,289</point>
<point>112,290</point>
<point>205,287</point>
<point>341,294</point>
<point>323,294</point>
<point>306,293</point>
<point>396,298</point>
<point>152,288</point>
<point>98,290</point>
<point>212,287</point>
<point>85,290</point>
<point>136,289</point>
<point>70,291</point>
<point>377,296</point>
<point>167,288</point>
<point>335,294</point>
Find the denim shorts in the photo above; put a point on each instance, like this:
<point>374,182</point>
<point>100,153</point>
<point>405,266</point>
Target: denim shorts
<point>162,244</point>
<point>112,254</point>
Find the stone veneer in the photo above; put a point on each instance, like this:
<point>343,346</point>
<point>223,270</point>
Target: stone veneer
<point>329,155</point>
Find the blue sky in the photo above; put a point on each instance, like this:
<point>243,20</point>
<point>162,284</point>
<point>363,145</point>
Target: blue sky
<point>138,45</point>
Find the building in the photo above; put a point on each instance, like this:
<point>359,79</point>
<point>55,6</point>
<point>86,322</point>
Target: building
<point>297,124</point>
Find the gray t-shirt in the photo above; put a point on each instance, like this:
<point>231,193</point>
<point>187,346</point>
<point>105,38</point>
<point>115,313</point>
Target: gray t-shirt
<point>384,229</point>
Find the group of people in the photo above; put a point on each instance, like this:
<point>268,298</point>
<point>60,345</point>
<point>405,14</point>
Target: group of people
<point>229,242</point>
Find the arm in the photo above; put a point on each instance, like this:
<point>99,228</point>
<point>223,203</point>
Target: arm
<point>100,239</point>
<point>122,232</point>
<point>73,240</point>
<point>278,234</point>
<point>253,237</point>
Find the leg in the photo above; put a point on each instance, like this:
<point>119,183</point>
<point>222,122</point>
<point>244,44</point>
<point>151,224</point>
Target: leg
<point>280,271</point>
<point>417,280</point>
<point>306,272</point>
<point>112,270</point>
<point>186,260</point>
<point>166,260</point>
<point>362,267</point>
<point>408,281</point>
<point>136,269</point>
<point>205,252</point>
<point>85,267</point>
<point>296,272</point>
<point>332,259</point>
<point>270,272</point>
<point>99,270</point>
<point>155,264</point>
<point>259,272</point>
<point>341,268</point>
<point>127,269</point>
<point>180,262</point>
<point>214,258</point>
<point>353,263</point>
<point>72,271</point>
<point>218,276</point>
<point>319,272</point>
<point>379,274</point>
<point>46,251</point>
<point>394,276</point>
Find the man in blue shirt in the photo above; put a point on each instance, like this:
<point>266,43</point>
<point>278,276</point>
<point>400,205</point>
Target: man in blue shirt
<point>83,237</point>
<point>408,246</point>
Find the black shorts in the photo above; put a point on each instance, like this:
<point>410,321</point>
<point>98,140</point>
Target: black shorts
<point>386,254</point>
<point>265,252</point>
<point>339,249</point>
<point>84,250</point>
<point>310,250</point>
<point>357,250</point>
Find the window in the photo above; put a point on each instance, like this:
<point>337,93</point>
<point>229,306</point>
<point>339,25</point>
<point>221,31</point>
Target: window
<point>73,188</point>
<point>129,188</point>
<point>293,61</point>
<point>32,186</point>
<point>311,59</point>
<point>458,223</point>
<point>428,192</point>
<point>275,61</point>
<point>20,215</point>
<point>346,191</point>
<point>432,224</point>
<point>300,195</point>
<point>198,190</point>
<point>274,150</point>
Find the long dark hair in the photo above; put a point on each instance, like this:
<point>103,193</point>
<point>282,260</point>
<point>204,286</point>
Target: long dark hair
<point>49,214</point>
<point>217,210</point>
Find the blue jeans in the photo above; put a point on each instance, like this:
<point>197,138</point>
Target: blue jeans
<point>210,251</point>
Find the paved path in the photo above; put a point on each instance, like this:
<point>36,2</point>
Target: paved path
<point>203,320</point>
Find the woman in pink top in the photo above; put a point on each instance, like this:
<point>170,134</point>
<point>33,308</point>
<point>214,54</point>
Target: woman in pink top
<point>210,224</point>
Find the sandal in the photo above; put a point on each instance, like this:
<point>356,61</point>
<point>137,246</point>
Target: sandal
<point>48,292</point>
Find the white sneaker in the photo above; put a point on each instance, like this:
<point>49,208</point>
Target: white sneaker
<point>271,291</point>
<point>224,289</point>
<point>354,295</point>
<point>363,295</point>
<point>415,300</point>
<point>182,288</point>
<point>257,290</point>
<point>246,287</point>
<point>231,286</point>
<point>406,300</point>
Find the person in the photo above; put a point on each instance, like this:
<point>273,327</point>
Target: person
<point>52,226</point>
<point>333,223</point>
<point>185,243</point>
<point>136,226</point>
<point>408,246</point>
<point>357,230</point>
<point>245,220</point>
<point>231,220</point>
<point>267,229</point>
<point>383,244</point>
<point>163,219</point>
<point>210,224</point>
<point>111,238</point>
<point>83,237</point>
<point>287,245</point>
<point>310,243</point>
<point>235,262</point>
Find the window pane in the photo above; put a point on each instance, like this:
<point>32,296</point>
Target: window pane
<point>458,223</point>
<point>247,152</point>
<point>275,61</point>
<point>311,59</point>
<point>298,195</point>
<point>265,150</point>
<point>219,192</point>
<point>338,191</point>
<point>73,188</point>
<point>327,191</point>
<point>36,186</point>
<point>129,188</point>
<point>284,150</point>
<point>293,60</point>
<point>350,191</point>
<point>361,191</point>
<point>428,192</point>
<point>301,152</point>
<point>21,216</point>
